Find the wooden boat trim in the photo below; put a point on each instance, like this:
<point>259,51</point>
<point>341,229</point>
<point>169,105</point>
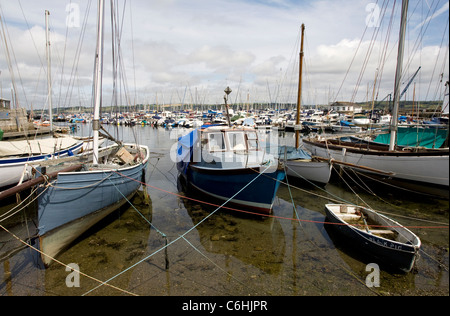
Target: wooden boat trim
<point>38,180</point>
<point>378,150</point>
<point>124,167</point>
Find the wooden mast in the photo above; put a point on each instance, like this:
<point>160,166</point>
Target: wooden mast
<point>49,69</point>
<point>299,96</point>
<point>98,80</point>
<point>398,77</point>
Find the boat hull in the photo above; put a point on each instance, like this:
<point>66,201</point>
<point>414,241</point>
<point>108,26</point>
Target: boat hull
<point>401,256</point>
<point>314,171</point>
<point>223,184</point>
<point>12,168</point>
<point>55,241</point>
<point>430,168</point>
<point>78,200</point>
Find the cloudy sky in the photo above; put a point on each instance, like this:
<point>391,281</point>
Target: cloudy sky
<point>183,51</point>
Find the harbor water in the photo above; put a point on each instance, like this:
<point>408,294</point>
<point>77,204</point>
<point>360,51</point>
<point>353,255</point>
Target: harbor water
<point>178,243</point>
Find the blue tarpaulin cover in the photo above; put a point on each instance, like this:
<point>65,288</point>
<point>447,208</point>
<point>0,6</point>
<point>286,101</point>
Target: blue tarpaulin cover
<point>185,149</point>
<point>411,136</point>
<point>292,153</point>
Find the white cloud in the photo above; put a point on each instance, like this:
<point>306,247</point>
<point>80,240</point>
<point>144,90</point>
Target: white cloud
<point>209,44</point>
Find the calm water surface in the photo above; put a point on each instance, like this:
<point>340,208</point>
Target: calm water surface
<point>222,252</point>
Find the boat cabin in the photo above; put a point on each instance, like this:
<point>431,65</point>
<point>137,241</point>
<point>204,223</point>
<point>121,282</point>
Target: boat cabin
<point>231,148</point>
<point>229,140</point>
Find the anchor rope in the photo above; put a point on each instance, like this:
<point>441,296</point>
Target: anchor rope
<point>5,217</point>
<point>131,204</point>
<point>164,235</point>
<point>445,225</point>
<point>178,238</point>
<point>65,265</point>
<point>311,241</point>
<point>182,236</point>
<point>303,220</point>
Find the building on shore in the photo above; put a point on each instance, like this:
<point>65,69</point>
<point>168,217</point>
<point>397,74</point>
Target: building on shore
<point>346,108</point>
<point>13,120</point>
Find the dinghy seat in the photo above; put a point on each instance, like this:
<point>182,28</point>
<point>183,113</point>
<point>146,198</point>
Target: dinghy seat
<point>348,216</point>
<point>382,232</point>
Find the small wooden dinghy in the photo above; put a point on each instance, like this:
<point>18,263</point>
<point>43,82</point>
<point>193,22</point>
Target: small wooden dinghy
<point>376,234</point>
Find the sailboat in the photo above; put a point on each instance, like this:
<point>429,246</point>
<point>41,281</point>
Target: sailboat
<point>425,170</point>
<point>298,162</point>
<point>17,156</point>
<point>75,201</point>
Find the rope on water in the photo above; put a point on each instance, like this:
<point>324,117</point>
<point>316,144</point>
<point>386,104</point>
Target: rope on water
<point>65,265</point>
<point>396,206</point>
<point>180,237</point>
<point>142,215</point>
<point>346,270</point>
<point>4,216</point>
<point>292,198</point>
<point>338,200</point>
<point>298,219</point>
<point>215,264</point>
<point>151,225</point>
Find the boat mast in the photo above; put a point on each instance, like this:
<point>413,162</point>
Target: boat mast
<point>299,95</point>
<point>398,76</point>
<point>227,93</point>
<point>98,80</point>
<point>49,72</point>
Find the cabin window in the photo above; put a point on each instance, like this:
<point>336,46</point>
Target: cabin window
<point>237,141</point>
<point>216,142</point>
<point>252,141</point>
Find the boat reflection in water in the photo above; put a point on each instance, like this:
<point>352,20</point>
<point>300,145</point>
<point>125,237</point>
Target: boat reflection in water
<point>256,241</point>
<point>117,242</point>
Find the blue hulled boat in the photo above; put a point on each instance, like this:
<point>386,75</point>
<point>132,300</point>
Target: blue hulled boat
<point>75,201</point>
<point>229,163</point>
<point>109,176</point>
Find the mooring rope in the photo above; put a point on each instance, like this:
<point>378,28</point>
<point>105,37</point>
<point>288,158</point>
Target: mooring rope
<point>131,204</point>
<point>4,216</point>
<point>339,200</point>
<point>181,236</point>
<point>65,265</point>
<point>215,264</point>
